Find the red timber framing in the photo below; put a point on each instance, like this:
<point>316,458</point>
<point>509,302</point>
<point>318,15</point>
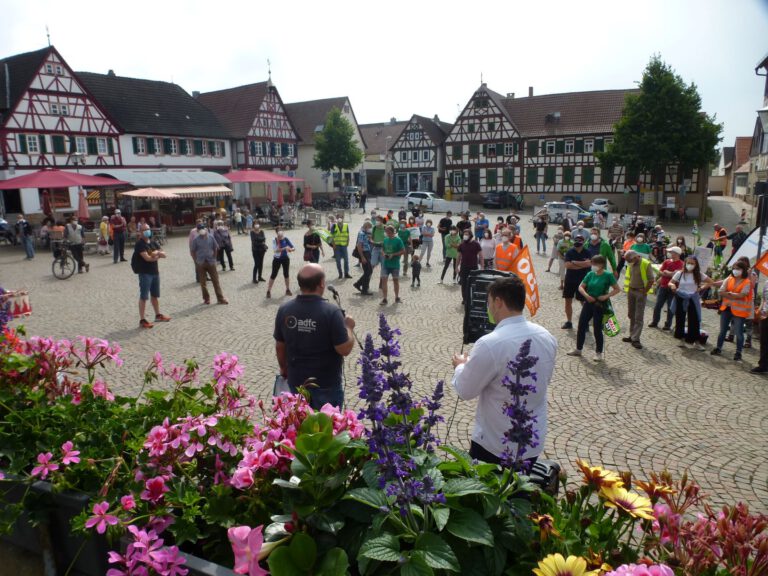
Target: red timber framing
<point>272,141</point>
<point>56,117</point>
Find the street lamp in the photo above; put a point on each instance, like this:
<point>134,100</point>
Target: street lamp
<point>387,166</point>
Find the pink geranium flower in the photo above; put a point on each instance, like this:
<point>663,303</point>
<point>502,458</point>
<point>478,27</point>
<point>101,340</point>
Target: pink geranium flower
<point>154,489</point>
<point>246,545</point>
<point>46,466</point>
<point>69,456</point>
<point>127,502</point>
<point>100,518</point>
<point>242,478</point>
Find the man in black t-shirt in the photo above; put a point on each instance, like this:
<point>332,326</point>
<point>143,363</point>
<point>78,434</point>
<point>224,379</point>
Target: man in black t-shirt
<point>312,336</point>
<point>144,263</point>
<point>464,224</point>
<point>444,228</point>
<point>577,263</point>
<point>470,258</point>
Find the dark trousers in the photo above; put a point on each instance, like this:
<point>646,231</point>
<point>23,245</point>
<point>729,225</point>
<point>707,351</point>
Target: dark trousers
<point>464,276</point>
<point>479,453</point>
<point>763,361</point>
<point>445,267</point>
<point>687,308</point>
<point>229,258</point>
<point>118,248</point>
<point>258,265</point>
<point>591,313</point>
<point>77,252</point>
<point>443,235</point>
<point>663,296</point>
<point>365,280</point>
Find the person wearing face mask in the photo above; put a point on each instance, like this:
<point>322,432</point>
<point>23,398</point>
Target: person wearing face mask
<point>146,253</point>
<point>664,294</point>
<point>281,248</point>
<point>340,234</point>
<point>258,249</point>
<point>480,374</point>
<point>680,243</point>
<point>638,283</point>
<point>204,250</point>
<point>563,246</point>
<point>597,288</point>
<point>451,245</point>
<point>505,252</point>
<point>598,246</point>
<point>470,258</point>
<point>641,247</point>
<point>736,293</point>
<point>540,227</point>
<point>488,246</point>
<point>577,265</point>
<point>224,240</point>
<point>364,249</point>
<point>556,237</point>
<point>312,244</point>
<point>568,222</point>
<point>686,285</point>
<point>427,241</point>
<point>580,231</point>
<point>73,233</point>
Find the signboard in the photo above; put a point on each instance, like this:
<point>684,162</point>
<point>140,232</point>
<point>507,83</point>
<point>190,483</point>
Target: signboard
<point>670,201</point>
<point>648,197</point>
<point>704,256</point>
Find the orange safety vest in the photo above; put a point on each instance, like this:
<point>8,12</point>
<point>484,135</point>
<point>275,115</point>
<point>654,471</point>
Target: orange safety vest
<point>722,236</point>
<point>741,307</point>
<point>504,258</point>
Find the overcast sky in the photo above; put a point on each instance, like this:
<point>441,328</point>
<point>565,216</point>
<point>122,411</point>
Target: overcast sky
<point>398,58</point>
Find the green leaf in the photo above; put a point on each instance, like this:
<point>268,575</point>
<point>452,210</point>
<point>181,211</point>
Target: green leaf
<point>369,496</point>
<point>436,552</point>
<point>441,516</point>
<point>317,423</point>
<point>303,551</point>
<point>292,484</point>
<point>416,566</point>
<point>469,525</point>
<point>465,486</point>
<point>335,563</point>
<point>281,563</point>
<point>385,548</point>
<point>371,474</point>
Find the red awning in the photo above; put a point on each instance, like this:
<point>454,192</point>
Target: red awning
<point>259,176</point>
<point>58,179</point>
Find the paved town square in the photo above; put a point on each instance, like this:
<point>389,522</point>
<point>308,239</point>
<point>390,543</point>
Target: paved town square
<point>643,410</point>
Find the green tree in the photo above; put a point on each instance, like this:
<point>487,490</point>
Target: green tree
<point>663,125</point>
<point>335,146</point>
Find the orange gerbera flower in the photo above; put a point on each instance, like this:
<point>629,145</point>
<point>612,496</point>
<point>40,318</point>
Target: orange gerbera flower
<point>655,489</point>
<point>556,565</point>
<point>632,503</point>
<point>546,525</point>
<point>597,476</point>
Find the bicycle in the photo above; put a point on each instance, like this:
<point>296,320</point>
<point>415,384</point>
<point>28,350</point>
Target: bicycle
<point>64,264</point>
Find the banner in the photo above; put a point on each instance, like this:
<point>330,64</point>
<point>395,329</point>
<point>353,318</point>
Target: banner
<point>762,264</point>
<point>749,247</point>
<point>523,267</point>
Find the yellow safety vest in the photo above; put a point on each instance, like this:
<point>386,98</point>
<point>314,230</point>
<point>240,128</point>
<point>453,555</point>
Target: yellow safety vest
<point>340,234</point>
<point>503,258</point>
<point>742,307</point>
<point>643,274</point>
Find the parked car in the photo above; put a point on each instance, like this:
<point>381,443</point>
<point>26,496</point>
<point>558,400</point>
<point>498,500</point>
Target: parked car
<point>557,211</point>
<point>499,199</point>
<point>431,201</point>
<point>602,205</point>
<point>401,193</point>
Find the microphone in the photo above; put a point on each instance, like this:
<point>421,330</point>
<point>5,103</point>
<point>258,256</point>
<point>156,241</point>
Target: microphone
<point>333,290</point>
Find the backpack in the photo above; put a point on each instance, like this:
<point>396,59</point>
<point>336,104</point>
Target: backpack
<point>135,262</point>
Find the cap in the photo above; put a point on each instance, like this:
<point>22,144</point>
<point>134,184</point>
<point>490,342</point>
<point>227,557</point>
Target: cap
<point>578,241</point>
<point>675,249</point>
<point>200,226</point>
<point>117,211</point>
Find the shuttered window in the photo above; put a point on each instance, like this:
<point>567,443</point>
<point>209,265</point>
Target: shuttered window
<point>560,147</point>
<point>588,175</point>
<point>509,176</point>
<point>549,175</point>
<point>110,147</point>
<point>491,176</point>
<point>456,151</point>
<point>599,145</point>
<point>569,175</point>
<point>58,145</point>
<point>211,148</point>
<point>22,143</point>
<point>43,147</point>
<point>579,146</point>
<point>91,146</point>
<point>606,175</point>
<point>198,147</point>
<point>515,148</point>
<point>150,145</point>
<point>533,148</point>
<point>167,145</point>
<point>223,148</point>
<point>531,176</point>
<point>474,150</point>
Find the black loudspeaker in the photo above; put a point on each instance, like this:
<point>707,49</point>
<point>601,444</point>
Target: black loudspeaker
<point>761,192</point>
<point>476,322</point>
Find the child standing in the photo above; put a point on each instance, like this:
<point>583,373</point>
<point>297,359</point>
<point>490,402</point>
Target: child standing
<point>415,271</point>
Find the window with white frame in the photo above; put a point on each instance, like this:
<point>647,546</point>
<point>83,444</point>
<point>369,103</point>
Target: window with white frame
<point>33,144</point>
<point>569,146</point>
<point>403,156</point>
<point>259,148</point>
<point>425,155</point>
<point>141,146</point>
<point>190,148</point>
<point>49,68</point>
<point>401,182</point>
<point>64,109</point>
<point>415,155</point>
<point>491,150</point>
<point>174,147</point>
<point>158,147</point>
<point>550,147</point>
<point>54,109</point>
<point>101,146</point>
<point>458,179</point>
<point>217,149</point>
<point>291,150</point>
<point>589,146</point>
<point>608,142</point>
<point>80,145</point>
<point>59,70</point>
<point>509,149</point>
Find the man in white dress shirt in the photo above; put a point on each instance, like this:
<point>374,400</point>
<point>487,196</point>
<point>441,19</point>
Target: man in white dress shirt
<point>479,374</point>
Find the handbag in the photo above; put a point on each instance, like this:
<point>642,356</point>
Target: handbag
<point>281,385</point>
<point>110,242</point>
<point>356,253</point>
<point>611,326</point>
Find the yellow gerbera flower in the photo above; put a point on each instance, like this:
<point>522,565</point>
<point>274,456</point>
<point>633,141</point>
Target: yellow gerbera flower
<point>597,476</point>
<point>655,489</point>
<point>556,565</point>
<point>546,525</point>
<point>632,503</point>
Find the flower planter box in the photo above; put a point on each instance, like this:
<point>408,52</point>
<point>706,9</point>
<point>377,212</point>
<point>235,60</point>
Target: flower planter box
<point>199,567</point>
<point>24,535</point>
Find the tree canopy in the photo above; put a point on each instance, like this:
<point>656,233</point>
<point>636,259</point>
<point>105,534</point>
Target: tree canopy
<point>663,124</point>
<point>335,146</point>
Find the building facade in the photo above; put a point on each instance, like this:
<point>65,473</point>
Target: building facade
<point>379,138</point>
<point>418,156</point>
<point>758,155</point>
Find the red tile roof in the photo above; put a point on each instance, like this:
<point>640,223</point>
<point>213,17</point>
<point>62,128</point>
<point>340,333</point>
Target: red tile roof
<point>375,135</point>
<point>307,116</point>
<point>236,108</point>
<point>743,146</point>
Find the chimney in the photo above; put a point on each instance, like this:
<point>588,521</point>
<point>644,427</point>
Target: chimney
<point>111,72</point>
<point>196,94</point>
<point>530,91</point>
<point>436,119</point>
<point>511,95</point>
<point>392,121</point>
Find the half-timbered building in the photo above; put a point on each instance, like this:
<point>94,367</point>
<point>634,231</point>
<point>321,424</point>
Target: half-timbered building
<point>379,138</point>
<point>309,119</point>
<point>48,118</point>
<point>419,155</point>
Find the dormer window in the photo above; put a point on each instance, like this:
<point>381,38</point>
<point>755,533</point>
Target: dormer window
<point>59,70</point>
<point>49,68</point>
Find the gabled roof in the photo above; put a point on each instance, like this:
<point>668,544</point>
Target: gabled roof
<point>310,115</point>
<point>579,112</point>
<point>375,135</point>
<point>151,106</point>
<point>437,131</point>
<point>743,146</point>
<point>21,70</point>
<point>743,169</point>
<point>728,152</point>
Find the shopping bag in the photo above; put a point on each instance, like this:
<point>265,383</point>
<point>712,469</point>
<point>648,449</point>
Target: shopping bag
<point>281,385</point>
<point>610,323</point>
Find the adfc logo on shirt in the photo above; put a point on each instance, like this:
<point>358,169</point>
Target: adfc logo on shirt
<point>307,325</point>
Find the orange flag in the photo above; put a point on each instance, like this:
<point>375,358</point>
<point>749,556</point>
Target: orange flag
<point>523,267</point>
<point>762,264</point>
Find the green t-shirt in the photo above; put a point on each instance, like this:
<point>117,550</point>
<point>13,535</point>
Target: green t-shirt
<point>405,235</point>
<point>641,248</point>
<point>392,246</point>
<point>598,285</point>
<point>451,246</point>
<point>378,234</point>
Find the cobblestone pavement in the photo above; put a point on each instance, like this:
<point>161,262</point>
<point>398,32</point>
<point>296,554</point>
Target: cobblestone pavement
<point>642,410</point>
